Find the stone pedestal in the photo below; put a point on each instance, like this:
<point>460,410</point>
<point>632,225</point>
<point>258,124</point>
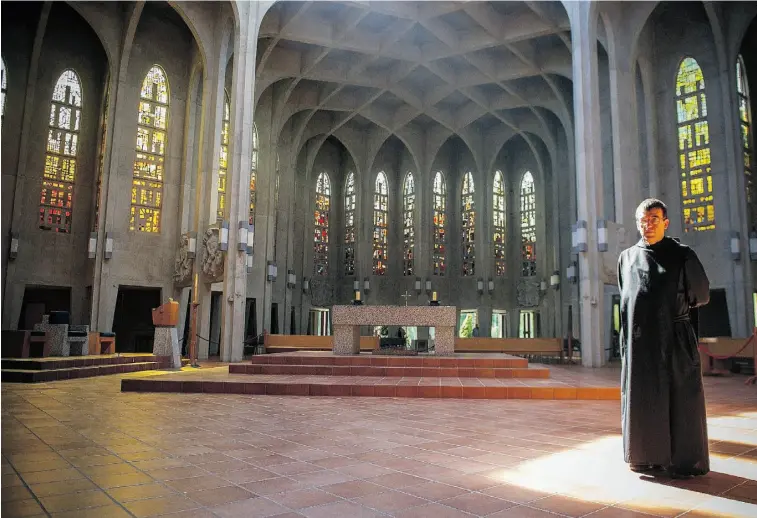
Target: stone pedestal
<point>57,336</point>
<point>166,343</point>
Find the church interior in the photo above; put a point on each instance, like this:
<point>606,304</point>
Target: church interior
<point>238,202</point>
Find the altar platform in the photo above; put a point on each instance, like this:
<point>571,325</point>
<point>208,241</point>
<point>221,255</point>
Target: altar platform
<point>321,373</point>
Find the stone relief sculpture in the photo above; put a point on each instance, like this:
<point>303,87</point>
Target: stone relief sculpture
<point>182,272</point>
<point>212,255</point>
<point>528,293</point>
<point>321,292</point>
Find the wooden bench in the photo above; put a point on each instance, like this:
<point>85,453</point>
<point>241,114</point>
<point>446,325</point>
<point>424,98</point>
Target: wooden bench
<point>286,343</point>
<point>724,346</point>
<point>102,344</point>
<point>535,346</point>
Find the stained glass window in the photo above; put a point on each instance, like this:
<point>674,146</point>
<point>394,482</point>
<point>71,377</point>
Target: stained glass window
<point>55,204</point>
<point>349,225</point>
<point>101,162</point>
<point>149,165</point>
<point>440,220</point>
<point>745,125</point>
<point>223,163</point>
<point>3,89</point>
<point>467,211</point>
<point>694,148</point>
<point>253,173</point>
<point>380,213</point>
<point>528,225</point>
<point>499,224</point>
<point>321,229</point>
<point>408,228</point>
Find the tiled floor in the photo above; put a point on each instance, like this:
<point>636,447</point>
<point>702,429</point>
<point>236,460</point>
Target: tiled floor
<point>81,448</point>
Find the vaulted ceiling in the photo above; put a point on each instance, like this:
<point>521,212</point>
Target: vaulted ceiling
<point>419,65</point>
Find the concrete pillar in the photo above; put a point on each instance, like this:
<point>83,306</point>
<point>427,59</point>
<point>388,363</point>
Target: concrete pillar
<point>583,18</point>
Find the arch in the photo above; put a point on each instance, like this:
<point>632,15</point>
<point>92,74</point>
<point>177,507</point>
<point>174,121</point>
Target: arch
<point>151,143</point>
<point>223,161</point>
<point>499,223</point>
<point>528,225</point>
<point>408,225</point>
<point>380,224</point>
<point>350,198</point>
<point>439,207</point>
<point>59,176</point>
<point>747,140</point>
<point>253,174</point>
<point>321,220</point>
<point>468,216</point>
<point>697,195</point>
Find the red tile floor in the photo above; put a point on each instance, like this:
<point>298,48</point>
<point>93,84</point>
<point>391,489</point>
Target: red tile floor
<point>82,448</point>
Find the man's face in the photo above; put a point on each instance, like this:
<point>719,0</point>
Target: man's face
<point>652,225</point>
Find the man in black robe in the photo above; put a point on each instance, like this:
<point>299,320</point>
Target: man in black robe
<point>662,400</point>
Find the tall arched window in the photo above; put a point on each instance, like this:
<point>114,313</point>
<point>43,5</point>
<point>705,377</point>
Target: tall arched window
<point>467,211</point>
<point>321,220</point>
<point>223,162</point>
<point>440,221</point>
<point>253,173</point>
<point>528,225</point>
<point>149,165</point>
<point>349,225</point>
<point>499,224</point>
<point>694,148</point>
<point>380,213</point>
<point>745,123</point>
<point>3,89</point>
<point>408,227</point>
<point>55,204</point>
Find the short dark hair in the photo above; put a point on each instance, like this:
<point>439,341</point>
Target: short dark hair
<point>652,203</point>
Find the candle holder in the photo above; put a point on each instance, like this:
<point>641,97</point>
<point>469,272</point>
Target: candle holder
<point>357,301</point>
<point>433,301</point>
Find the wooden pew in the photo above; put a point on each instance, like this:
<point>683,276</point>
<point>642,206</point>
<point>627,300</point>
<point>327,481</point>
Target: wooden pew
<point>535,346</point>
<point>286,343</point>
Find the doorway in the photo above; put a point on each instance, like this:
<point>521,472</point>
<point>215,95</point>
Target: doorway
<point>529,324</point>
<point>41,300</point>
<point>500,324</point>
<point>214,340</point>
<point>468,321</point>
<point>615,339</point>
<point>132,320</point>
<point>319,322</point>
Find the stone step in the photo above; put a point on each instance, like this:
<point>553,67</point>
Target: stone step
<point>388,371</point>
<point>38,376</point>
<point>483,361</point>
<point>60,362</point>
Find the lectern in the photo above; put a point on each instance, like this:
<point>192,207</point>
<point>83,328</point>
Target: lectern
<point>165,318</point>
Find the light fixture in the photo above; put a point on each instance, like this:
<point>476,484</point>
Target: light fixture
<point>305,285</point>
<point>572,273</point>
<point>480,285</point>
<point>602,244</point>
<point>223,235</point>
<point>366,285</point>
<point>554,280</point>
<point>291,278</point>
<point>418,285</point>
<point>735,246</point>
<point>272,272</point>
<point>543,285</point>
<point>428,286</point>
<point>14,246</point>
<point>191,244</point>
<point>356,285</point>
<point>108,245</point>
<point>243,229</point>
<point>491,285</point>
<point>580,237</point>
<point>92,247</point>
<point>249,260</point>
<point>753,246</point>
<point>250,238</point>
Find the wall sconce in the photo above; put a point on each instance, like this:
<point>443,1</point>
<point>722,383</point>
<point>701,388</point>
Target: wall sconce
<point>753,246</point>
<point>366,285</point>
<point>223,235</point>
<point>272,271</point>
<point>572,273</point>
<point>108,245</point>
<point>92,246</point>
<point>14,246</point>
<point>250,238</point>
<point>554,280</point>
<point>305,285</point>
<point>428,286</point>
<point>418,285</point>
<point>243,230</point>
<point>249,260</point>
<point>356,285</point>
<point>735,246</point>
<point>491,286</point>
<point>543,286</point>
<point>480,285</point>
<point>192,244</point>
<point>602,244</point>
<point>291,278</point>
<point>580,237</point>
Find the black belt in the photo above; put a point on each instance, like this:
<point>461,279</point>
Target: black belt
<point>682,318</point>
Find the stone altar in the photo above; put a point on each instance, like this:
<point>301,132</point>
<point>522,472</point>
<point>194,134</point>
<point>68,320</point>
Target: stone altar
<point>348,319</point>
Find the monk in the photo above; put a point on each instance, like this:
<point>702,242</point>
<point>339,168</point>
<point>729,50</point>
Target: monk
<point>662,400</point>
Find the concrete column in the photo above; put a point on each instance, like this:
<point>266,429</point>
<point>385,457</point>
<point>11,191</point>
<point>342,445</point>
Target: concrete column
<point>238,194</point>
<point>583,18</point>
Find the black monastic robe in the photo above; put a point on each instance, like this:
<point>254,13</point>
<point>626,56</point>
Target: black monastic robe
<point>662,399</point>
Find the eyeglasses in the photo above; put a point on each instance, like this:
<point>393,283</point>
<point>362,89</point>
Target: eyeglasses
<point>653,221</point>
